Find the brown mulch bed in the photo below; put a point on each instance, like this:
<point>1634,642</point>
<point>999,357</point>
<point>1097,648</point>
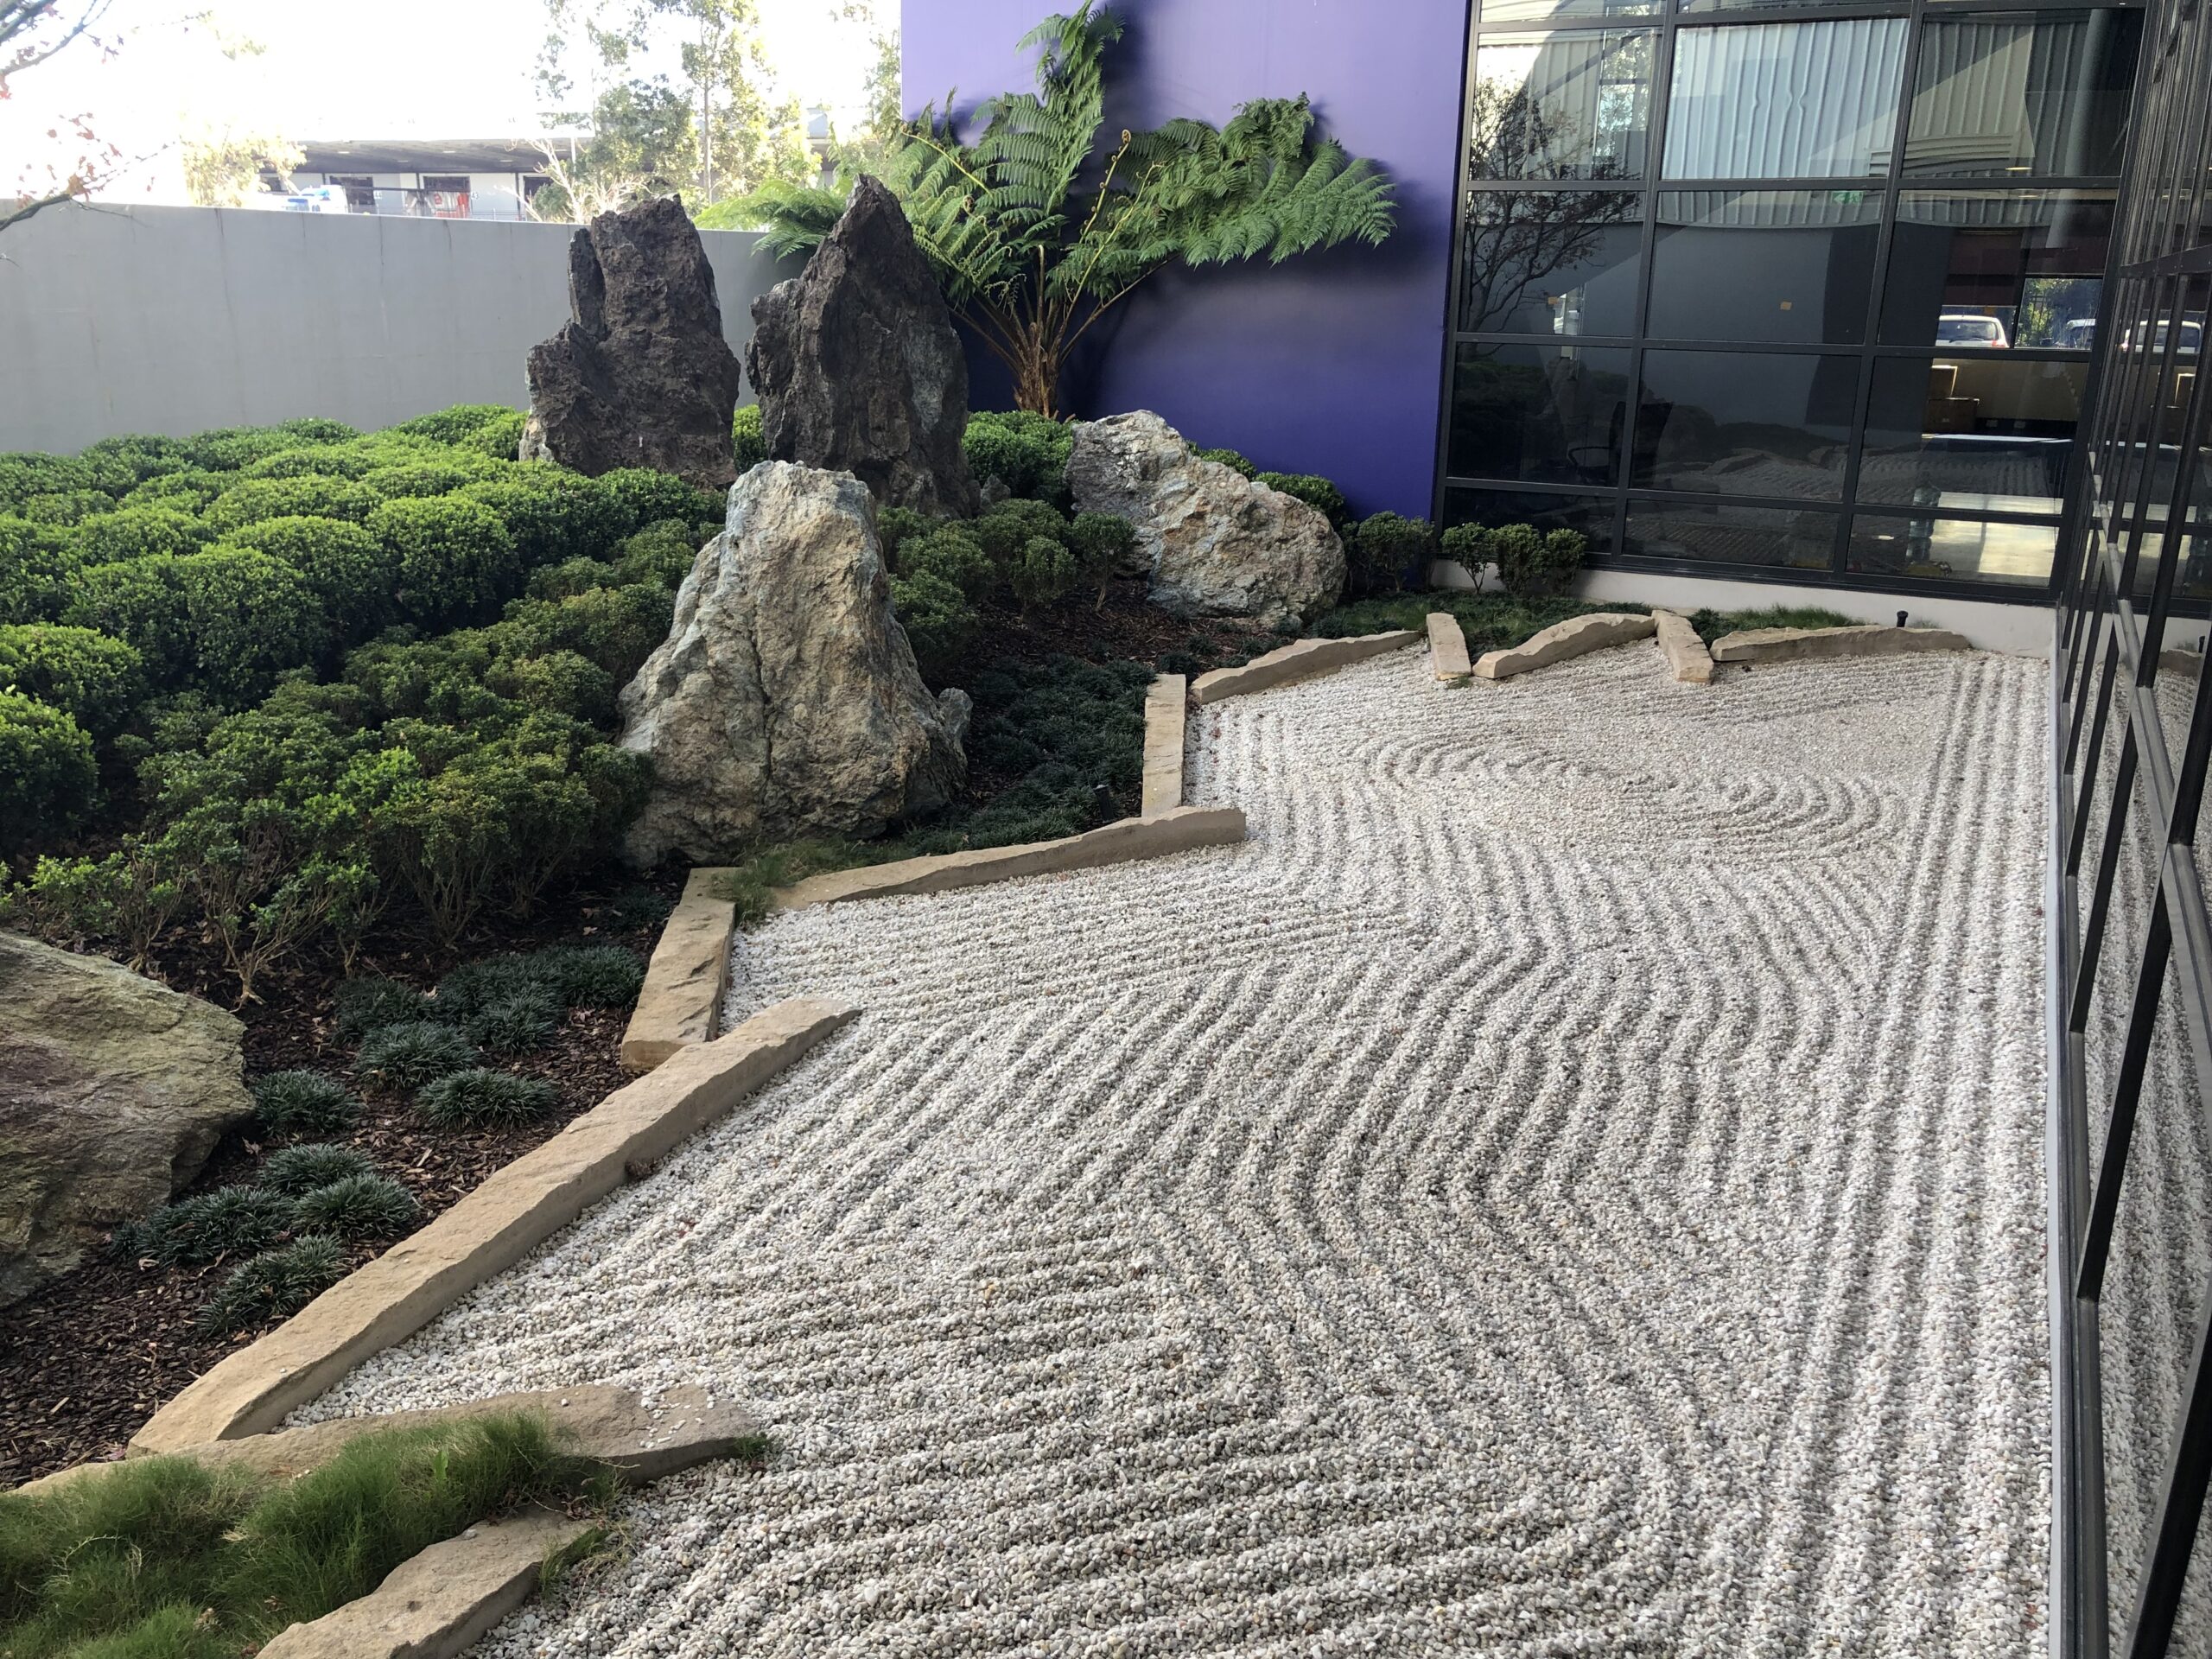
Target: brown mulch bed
<point>84,1361</point>
<point>1125,627</point>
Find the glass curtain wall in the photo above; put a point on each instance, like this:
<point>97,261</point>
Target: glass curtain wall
<point>1811,292</point>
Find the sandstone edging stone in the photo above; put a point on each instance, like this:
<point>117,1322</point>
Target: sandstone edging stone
<point>1447,647</point>
<point>680,1003</point>
<point>1687,657</point>
<point>516,1209</point>
<point>1167,710</point>
<point>1575,637</point>
<point>1808,645</point>
<point>1298,660</point>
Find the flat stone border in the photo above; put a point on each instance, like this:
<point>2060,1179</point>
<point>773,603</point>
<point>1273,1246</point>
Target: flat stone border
<point>1296,661</point>
<point>1447,647</point>
<point>1166,710</point>
<point>516,1209</point>
<point>1687,657</point>
<point>1576,637</point>
<point>1177,830</point>
<point>1802,645</point>
<point>682,998</point>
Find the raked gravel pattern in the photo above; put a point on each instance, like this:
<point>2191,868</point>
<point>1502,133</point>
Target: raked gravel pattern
<point>1571,1184</point>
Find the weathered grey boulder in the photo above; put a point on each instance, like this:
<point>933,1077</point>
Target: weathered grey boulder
<point>1213,542</point>
<point>857,367</point>
<point>113,1090</point>
<point>640,375</point>
<point>785,696</point>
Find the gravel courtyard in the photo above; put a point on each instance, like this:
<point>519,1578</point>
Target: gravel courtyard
<point>1571,1184</point>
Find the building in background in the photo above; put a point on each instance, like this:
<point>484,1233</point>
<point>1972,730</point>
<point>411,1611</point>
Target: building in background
<point>429,178</point>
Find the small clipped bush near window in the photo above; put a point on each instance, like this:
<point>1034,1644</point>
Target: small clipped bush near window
<point>193,1232</point>
<point>371,1002</point>
<point>1315,491</point>
<point>409,1056</point>
<point>274,1286</point>
<point>303,1102</point>
<point>356,1208</point>
<point>486,1100</point>
<point>1385,548</point>
<point>48,779</point>
<point>1027,453</point>
<point>294,1171</point>
<point>1228,458</point>
<point>752,445</point>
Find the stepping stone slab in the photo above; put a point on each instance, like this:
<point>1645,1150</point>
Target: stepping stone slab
<point>682,997</point>
<point>1687,657</point>
<point>442,1601</point>
<point>515,1209</point>
<point>1575,637</point>
<point>1177,830</point>
<point>1798,644</point>
<point>1297,661</point>
<point>1447,647</point>
<point>1165,704</point>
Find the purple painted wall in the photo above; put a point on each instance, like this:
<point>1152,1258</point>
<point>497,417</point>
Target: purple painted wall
<point>1331,363</point>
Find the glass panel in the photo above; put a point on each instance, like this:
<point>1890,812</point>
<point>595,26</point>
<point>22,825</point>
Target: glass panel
<point>1951,550</point>
<point>1544,11</point>
<point>1738,423</point>
<point>1551,261</point>
<point>1785,100</point>
<point>1777,267</point>
<point>1542,414</point>
<point>1561,106</point>
<point>1997,269</point>
<point>2044,94</point>
<point>1593,515</point>
<point>1981,433</point>
<point>2192,580</point>
<point>1788,537</point>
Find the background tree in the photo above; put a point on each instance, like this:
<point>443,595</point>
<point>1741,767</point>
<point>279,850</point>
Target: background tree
<point>1036,233</point>
<point>32,32</point>
<point>643,143</point>
<point>882,129</point>
<point>223,167</point>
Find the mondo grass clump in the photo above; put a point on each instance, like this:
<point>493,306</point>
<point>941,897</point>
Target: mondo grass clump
<point>518,1023</point>
<point>408,1055</point>
<point>1710,624</point>
<point>486,1100</point>
<point>304,1103</point>
<point>273,1285</point>
<point>590,975</point>
<point>194,1231</point>
<point>164,1559</point>
<point>371,1002</point>
<point>356,1208</point>
<point>296,1170</point>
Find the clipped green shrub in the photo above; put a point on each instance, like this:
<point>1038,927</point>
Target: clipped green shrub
<point>1027,453</point>
<point>321,460</point>
<point>296,1170</point>
<point>358,1207</point>
<point>419,480</point>
<point>311,495</point>
<point>1042,573</point>
<point>66,507</point>
<point>662,554</point>
<point>40,566</point>
<point>653,496</point>
<point>195,1230</point>
<point>408,1055</point>
<point>1315,491</point>
<point>452,558</point>
<point>939,624</point>
<point>752,444</point>
<point>951,553</point>
<point>457,423</point>
<point>498,439</point>
<point>520,1022</point>
<point>569,577</point>
<point>1005,530</point>
<point>371,1001</point>
<point>273,1287</point>
<point>481,1099</point>
<point>1228,458</point>
<point>94,679</point>
<point>593,975</point>
<point>552,515</point>
<point>140,602</point>
<point>1385,548</point>
<point>895,526</point>
<point>346,568</point>
<point>24,475</point>
<point>47,778</point>
<point>1467,545</point>
<point>188,491</point>
<point>139,532</point>
<point>248,617</point>
<point>133,456</point>
<point>1101,543</point>
<point>560,681</point>
<point>615,627</point>
<point>304,1103</point>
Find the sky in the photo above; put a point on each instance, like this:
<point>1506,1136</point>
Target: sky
<point>426,68</point>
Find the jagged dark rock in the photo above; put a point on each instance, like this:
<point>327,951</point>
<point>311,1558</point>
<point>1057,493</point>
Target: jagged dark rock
<point>640,375</point>
<point>857,367</point>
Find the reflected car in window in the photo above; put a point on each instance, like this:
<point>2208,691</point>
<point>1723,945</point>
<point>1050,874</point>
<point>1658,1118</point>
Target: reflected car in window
<point>1970,328</point>
<point>2192,337</point>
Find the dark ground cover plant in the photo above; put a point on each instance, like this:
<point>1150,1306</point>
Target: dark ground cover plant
<point>356,1207</point>
<point>1710,624</point>
<point>273,1285</point>
<point>304,1102</point>
<point>478,1096</point>
<point>297,1170</point>
<point>164,1557</point>
<point>1490,621</point>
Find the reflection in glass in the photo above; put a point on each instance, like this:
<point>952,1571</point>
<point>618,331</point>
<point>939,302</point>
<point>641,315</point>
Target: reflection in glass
<point>2045,94</point>
<point>1951,550</point>
<point>1590,515</point>
<point>1812,101</point>
<point>1725,533</point>
<point>1977,433</point>
<point>1776,267</point>
<point>1545,11</point>
<point>1738,423</point>
<point>1993,270</point>
<point>2193,580</point>
<point>1551,261</point>
<point>1571,105</point>
<point>1542,414</point>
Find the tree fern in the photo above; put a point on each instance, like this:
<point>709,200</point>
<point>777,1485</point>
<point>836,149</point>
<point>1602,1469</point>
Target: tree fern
<point>1035,228</point>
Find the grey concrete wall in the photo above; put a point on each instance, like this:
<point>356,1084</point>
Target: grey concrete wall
<point>174,320</point>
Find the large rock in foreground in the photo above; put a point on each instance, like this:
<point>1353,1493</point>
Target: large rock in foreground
<point>640,375</point>
<point>857,367</point>
<point>785,697</point>
<point>113,1090</point>
<point>1214,542</point>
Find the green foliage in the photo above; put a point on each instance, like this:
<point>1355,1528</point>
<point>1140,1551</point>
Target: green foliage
<point>1384,550</point>
<point>356,1208</point>
<point>408,1055</point>
<point>132,895</point>
<point>456,425</point>
<point>1005,530</point>
<point>751,884</point>
<point>1027,453</point>
<point>94,679</point>
<point>141,603</point>
<point>326,459</point>
<point>1042,572</point>
<point>296,1171</point>
<point>661,555</point>
<point>311,495</point>
<point>345,568</point>
<point>499,438</point>
<point>591,976</point>
<point>939,623</point>
<point>453,559</point>
<point>1035,228</point>
<point>371,1002</point>
<point>193,1232</point>
<point>418,479</point>
<point>751,443</point>
<point>1228,458</point>
<point>638,907</point>
<point>139,532</point>
<point>188,491</point>
<point>248,618</point>
<point>22,476</point>
<point>895,526</point>
<point>1314,492</point>
<point>66,507</point>
<point>1490,621</point>
<point>475,986</point>
<point>1711,624</point>
<point>952,554</point>
<point>652,497</point>
<point>552,515</point>
<point>1101,543</point>
<point>39,567</point>
<point>520,1023</point>
<point>1528,561</point>
<point>486,1100</point>
<point>303,1102</point>
<point>46,774</point>
<point>133,457</point>
<point>274,1286</point>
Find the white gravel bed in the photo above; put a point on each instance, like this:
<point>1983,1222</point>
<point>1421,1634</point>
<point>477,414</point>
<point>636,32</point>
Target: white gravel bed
<point>1571,1184</point>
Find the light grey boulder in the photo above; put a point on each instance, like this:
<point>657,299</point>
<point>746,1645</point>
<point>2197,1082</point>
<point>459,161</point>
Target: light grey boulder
<point>113,1090</point>
<point>785,697</point>
<point>1212,541</point>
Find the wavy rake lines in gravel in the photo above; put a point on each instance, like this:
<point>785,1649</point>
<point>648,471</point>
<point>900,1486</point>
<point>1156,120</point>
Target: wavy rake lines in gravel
<point>1892,1235</point>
